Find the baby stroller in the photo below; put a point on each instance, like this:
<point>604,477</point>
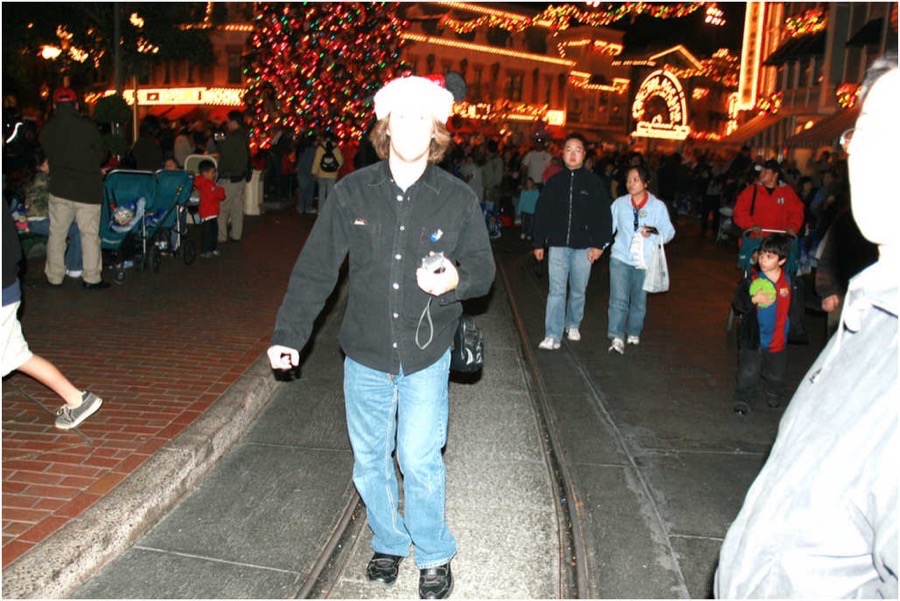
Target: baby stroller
<point>173,192</point>
<point>139,219</point>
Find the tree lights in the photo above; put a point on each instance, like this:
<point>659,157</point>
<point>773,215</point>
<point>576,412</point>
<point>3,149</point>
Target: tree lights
<point>315,67</point>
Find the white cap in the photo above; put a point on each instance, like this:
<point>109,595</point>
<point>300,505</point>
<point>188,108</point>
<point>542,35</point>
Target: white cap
<point>418,92</point>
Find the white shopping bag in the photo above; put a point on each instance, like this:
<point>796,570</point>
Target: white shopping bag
<point>657,277</point>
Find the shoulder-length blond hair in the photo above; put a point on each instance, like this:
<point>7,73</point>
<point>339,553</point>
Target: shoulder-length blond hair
<point>381,140</point>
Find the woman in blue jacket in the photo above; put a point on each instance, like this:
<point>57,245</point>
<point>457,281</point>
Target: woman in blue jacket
<point>640,222</point>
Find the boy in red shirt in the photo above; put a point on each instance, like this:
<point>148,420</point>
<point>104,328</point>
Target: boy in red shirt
<point>764,299</point>
<point>210,197</point>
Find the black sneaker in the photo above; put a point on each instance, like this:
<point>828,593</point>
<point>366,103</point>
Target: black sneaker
<point>71,418</point>
<point>383,568</point>
<point>101,285</point>
<point>436,582</point>
<point>741,408</point>
<point>773,400</point>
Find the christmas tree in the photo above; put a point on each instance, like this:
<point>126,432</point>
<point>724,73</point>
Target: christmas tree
<point>314,67</point>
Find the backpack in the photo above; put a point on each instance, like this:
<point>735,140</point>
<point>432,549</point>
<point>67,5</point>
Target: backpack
<point>329,163</point>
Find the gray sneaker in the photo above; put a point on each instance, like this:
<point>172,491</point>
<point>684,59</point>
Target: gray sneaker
<point>70,418</point>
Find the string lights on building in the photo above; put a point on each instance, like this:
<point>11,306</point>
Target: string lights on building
<point>847,94</point>
<point>770,105</point>
<point>561,17</point>
<point>673,125</point>
<point>808,22</point>
<point>714,16</point>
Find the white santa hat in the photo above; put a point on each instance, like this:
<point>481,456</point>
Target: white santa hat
<point>416,92</point>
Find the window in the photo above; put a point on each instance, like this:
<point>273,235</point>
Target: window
<point>235,75</point>
<point>475,85</point>
<point>514,85</point>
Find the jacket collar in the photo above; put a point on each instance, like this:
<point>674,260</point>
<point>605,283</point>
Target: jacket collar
<point>382,174</point>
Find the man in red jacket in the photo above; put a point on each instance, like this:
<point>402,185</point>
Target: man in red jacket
<point>769,204</point>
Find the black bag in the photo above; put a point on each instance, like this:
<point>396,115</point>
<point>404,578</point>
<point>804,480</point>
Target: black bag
<point>329,163</point>
<point>467,352</point>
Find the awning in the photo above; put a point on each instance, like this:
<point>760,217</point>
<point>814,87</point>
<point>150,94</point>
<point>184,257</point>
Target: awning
<point>800,47</point>
<point>869,34</point>
<point>751,128</point>
<point>826,132</point>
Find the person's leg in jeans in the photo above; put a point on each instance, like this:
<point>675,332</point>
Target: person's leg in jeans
<point>307,188</point>
<point>619,293</point>
<point>747,377</point>
<point>579,274</point>
<point>371,398</point>
<point>62,215</point>
<point>772,369</point>
<point>209,230</point>
<point>74,259</point>
<point>638,309</point>
<point>558,268</point>
<point>421,434</point>
<point>87,216</point>
<point>325,186</point>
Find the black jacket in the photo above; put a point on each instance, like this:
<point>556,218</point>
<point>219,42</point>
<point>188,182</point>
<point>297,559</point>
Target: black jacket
<point>76,151</point>
<point>387,233</point>
<point>573,211</point>
<point>12,248</point>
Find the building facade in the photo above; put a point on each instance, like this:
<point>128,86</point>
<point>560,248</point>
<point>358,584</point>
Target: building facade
<point>802,65</point>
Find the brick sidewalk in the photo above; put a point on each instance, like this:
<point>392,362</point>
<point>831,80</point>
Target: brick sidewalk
<point>159,349</point>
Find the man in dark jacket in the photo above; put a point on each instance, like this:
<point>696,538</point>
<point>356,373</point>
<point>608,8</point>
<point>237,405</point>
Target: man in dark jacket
<point>234,172</point>
<point>572,218</point>
<point>388,217</point>
<point>75,151</point>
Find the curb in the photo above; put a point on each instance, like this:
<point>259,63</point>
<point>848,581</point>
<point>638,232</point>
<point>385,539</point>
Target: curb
<point>61,563</point>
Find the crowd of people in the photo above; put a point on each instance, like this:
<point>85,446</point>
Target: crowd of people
<point>575,200</point>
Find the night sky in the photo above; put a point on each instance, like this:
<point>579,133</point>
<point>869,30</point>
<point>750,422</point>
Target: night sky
<point>645,32</point>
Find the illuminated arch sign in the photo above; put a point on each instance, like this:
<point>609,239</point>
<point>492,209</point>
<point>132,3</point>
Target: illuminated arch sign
<point>660,108</point>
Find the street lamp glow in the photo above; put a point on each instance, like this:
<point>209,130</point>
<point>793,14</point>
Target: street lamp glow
<point>50,52</point>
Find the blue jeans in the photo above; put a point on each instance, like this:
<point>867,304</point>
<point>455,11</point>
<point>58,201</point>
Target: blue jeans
<point>410,413</point>
<point>325,186</point>
<point>307,187</point>
<point>566,266</point>
<point>627,299</point>
<point>73,249</point>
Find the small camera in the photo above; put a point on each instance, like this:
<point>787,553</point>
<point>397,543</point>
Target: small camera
<point>434,263</point>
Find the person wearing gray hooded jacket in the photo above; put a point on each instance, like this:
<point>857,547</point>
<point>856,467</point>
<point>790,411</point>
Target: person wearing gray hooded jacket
<point>820,521</point>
